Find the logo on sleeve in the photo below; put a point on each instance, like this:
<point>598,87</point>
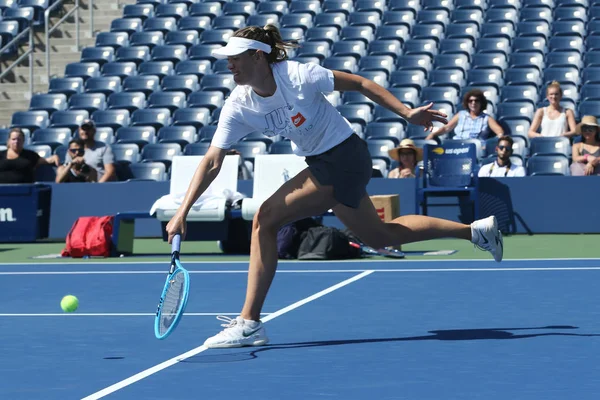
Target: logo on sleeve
<point>298,120</point>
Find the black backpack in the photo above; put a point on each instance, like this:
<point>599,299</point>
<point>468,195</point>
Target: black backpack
<point>326,243</point>
<point>290,236</point>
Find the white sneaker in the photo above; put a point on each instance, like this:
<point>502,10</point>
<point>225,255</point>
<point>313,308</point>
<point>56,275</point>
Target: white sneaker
<point>237,333</point>
<point>486,236</point>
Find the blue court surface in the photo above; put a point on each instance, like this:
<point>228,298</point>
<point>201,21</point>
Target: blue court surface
<point>339,330</point>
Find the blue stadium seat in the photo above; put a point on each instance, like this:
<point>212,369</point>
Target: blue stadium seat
<point>320,50</point>
<point>492,77</point>
<point>89,102</point>
<point>409,78</point>
<point>43,150</point>
<point>515,127</point>
<point>175,10</point>
<point>49,102</point>
<point>447,77</point>
<point>212,9</point>
<point>520,93</point>
<point>98,55</point>
<point>249,150</point>
<point>337,19</point>
<point>157,68</point>
<point>560,43</point>
<point>377,63</point>
<point>111,118</point>
<point>565,58</point>
<point>197,117</point>
<point>218,82</point>
<point>385,130</point>
<point>121,70</point>
<point>385,47</point>
<point>590,75</point>
<point>173,53</point>
<point>187,38</point>
<point>440,94</point>
<point>23,15</point>
<point>104,134</point>
<point>71,119</point>
<point>536,29</point>
<point>155,117</point>
<point>130,101</point>
<point>112,39</point>
<point>216,36</point>
<point>127,25</point>
<point>160,24</point>
<point>126,152</point>
<point>364,33</point>
<point>349,48</point>
<point>161,152</point>
<point>489,60</point>
<point>259,137</point>
<point>147,39</point>
<point>433,16</point>
<point>521,110</point>
<point>562,75</point>
<point>169,100</point>
<point>352,97</point>
<point>180,83</point>
<point>141,11</point>
<point>378,148</point>
<point>495,45</point>
<point>82,70</point>
<point>195,67</point>
<point>543,145</point>
<point>196,24</point>
<point>155,171</point>
<point>427,47</point>
<point>136,55</point>
<point>31,120</point>
<point>359,113</point>
<point>312,7</point>
<point>183,135</point>
<point>245,8</point>
<point>299,20</point>
<point>371,19</point>
<point>52,137</point>
<point>452,61</point>
<point>196,149</point>
<point>146,84</point>
<point>206,99</point>
<point>590,91</point>
<point>207,132</point>
<point>526,59</point>
<point>106,85</point>
<point>139,135</point>
<point>523,76</point>
<point>322,33</point>
<point>548,165</point>
<point>428,31</point>
<point>263,19</point>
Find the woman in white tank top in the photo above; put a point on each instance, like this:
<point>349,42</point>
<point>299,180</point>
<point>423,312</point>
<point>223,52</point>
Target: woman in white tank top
<point>554,119</point>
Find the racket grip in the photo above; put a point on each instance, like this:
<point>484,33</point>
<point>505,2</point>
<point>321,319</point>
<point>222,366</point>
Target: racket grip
<point>176,243</point>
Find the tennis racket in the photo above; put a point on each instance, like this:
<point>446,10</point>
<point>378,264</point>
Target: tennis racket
<point>389,252</point>
<point>174,295</point>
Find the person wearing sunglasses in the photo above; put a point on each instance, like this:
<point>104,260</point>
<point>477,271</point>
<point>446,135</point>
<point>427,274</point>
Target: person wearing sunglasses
<point>96,154</point>
<point>76,169</point>
<point>502,166</point>
<point>472,122</point>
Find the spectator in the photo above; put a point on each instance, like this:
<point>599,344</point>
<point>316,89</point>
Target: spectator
<point>76,170</point>
<point>554,120</point>
<point>17,164</point>
<point>586,154</point>
<point>407,155</point>
<point>502,166</point>
<point>96,155</point>
<point>472,122</point>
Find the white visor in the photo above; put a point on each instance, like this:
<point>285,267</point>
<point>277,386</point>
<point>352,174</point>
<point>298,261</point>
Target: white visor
<point>237,45</point>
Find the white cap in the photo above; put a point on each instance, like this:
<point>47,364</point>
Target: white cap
<point>237,45</point>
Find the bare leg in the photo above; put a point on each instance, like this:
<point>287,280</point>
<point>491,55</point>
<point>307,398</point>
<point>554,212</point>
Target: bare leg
<point>365,223</point>
<point>300,197</point>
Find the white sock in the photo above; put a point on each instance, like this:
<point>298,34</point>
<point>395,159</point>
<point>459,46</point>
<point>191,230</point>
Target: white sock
<point>250,323</point>
<point>474,235</point>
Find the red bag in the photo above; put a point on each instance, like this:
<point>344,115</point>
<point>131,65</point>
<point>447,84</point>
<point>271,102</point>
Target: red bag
<point>89,236</point>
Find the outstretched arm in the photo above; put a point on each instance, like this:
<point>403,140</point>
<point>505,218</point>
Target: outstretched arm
<point>424,115</point>
<point>207,171</point>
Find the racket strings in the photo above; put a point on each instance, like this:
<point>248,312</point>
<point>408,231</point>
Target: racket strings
<point>172,302</point>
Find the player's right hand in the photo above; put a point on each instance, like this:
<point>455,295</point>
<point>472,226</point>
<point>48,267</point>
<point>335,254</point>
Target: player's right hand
<point>176,225</point>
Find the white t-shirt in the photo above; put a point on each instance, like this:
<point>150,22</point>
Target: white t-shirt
<point>496,171</point>
<point>298,110</point>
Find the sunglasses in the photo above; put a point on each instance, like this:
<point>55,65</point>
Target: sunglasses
<point>505,148</point>
<point>474,101</point>
<point>76,151</point>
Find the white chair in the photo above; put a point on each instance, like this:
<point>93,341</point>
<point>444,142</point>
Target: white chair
<point>270,172</point>
<point>182,171</point>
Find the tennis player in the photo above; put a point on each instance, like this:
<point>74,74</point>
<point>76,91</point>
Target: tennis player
<point>279,97</point>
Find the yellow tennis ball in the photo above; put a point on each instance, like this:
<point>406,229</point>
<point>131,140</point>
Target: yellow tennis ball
<point>69,303</point>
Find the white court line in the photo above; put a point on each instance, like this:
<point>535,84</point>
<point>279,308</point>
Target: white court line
<point>75,314</point>
<point>381,260</point>
<point>166,364</point>
<point>310,271</point>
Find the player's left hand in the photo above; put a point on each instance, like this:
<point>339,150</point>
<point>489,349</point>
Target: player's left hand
<point>425,117</point>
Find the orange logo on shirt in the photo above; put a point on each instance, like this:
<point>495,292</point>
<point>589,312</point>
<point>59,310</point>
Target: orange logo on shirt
<point>298,120</point>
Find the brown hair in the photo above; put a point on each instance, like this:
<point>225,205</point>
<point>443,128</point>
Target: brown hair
<point>479,95</point>
<point>554,84</point>
<point>270,35</point>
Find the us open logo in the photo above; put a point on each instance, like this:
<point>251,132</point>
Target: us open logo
<point>6,215</point>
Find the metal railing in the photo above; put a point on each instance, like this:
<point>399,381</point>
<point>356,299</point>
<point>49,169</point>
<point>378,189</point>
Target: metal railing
<point>49,30</point>
<point>27,53</point>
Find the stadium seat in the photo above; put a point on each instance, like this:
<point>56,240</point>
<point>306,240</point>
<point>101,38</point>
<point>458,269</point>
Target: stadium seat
<point>71,119</point>
<point>67,86</point>
<point>550,146</point>
<point>160,152</point>
<point>130,101</point>
<point>139,135</point>
<point>126,152</point>
<point>155,171</point>
<point>183,135</point>
<point>49,102</point>
<point>155,117</point>
<point>89,102</point>
<point>548,165</point>
<point>281,147</point>
<point>52,137</point>
<point>111,118</point>
<point>197,117</point>
<point>196,149</point>
<point>121,70</point>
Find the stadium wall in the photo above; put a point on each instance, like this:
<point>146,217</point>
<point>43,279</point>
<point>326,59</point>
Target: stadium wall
<point>542,204</point>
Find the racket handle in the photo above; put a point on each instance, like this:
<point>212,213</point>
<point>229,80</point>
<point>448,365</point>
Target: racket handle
<point>176,243</point>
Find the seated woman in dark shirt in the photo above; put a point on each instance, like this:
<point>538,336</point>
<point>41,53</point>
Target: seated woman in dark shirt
<point>17,165</point>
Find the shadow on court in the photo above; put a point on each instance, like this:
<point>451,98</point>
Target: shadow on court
<point>444,335</point>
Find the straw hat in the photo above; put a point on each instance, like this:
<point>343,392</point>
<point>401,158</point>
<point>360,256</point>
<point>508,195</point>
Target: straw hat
<point>587,120</point>
<point>406,144</point>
